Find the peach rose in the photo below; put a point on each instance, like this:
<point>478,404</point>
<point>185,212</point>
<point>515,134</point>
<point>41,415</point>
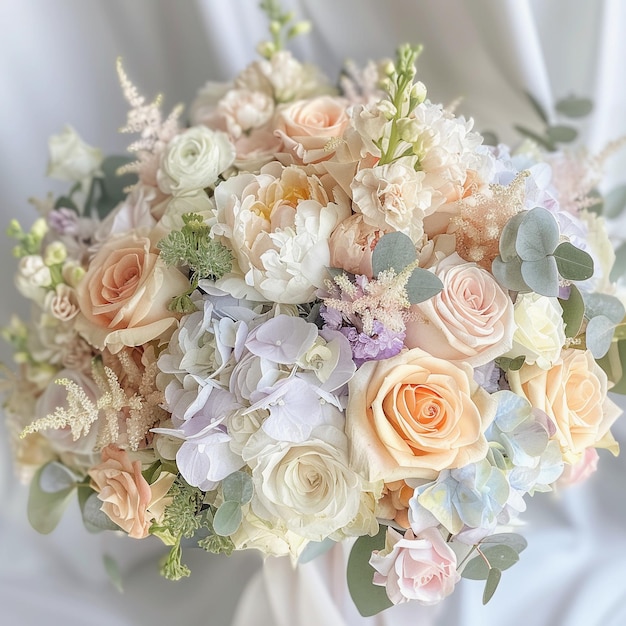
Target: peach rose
<point>471,320</point>
<point>306,127</point>
<point>128,500</point>
<point>124,295</point>
<point>413,415</point>
<point>573,393</point>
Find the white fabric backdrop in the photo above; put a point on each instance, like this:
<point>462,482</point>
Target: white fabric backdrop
<point>57,66</point>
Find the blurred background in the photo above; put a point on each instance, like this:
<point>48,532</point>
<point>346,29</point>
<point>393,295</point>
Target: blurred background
<point>57,66</point>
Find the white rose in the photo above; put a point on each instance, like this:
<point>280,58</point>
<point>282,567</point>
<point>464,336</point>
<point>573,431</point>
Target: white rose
<point>62,302</point>
<point>71,159</point>
<point>309,485</point>
<point>193,160</point>
<point>540,333</point>
<point>32,277</point>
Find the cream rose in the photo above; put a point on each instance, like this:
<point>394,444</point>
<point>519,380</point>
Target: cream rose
<point>306,127</point>
<point>193,160</point>
<point>573,393</point>
<point>125,293</point>
<point>413,415</point>
<point>539,330</point>
<point>421,567</point>
<point>127,498</point>
<point>71,159</point>
<point>471,320</point>
<point>61,303</point>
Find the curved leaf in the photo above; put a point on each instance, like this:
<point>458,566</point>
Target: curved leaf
<point>572,262</point>
<point>574,107</point>
<point>493,580</point>
<point>45,509</point>
<point>562,134</point>
<point>599,335</point>
<point>238,487</point>
<point>603,304</point>
<point>542,276</point>
<point>422,285</point>
<point>573,312</point>
<point>227,518</point>
<point>615,202</point>
<point>393,250</point>
<point>537,235</point>
<point>501,557</point>
<point>508,237</point>
<point>509,274</point>
<point>94,518</point>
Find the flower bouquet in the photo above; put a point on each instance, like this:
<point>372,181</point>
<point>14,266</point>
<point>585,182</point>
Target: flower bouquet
<point>316,315</point>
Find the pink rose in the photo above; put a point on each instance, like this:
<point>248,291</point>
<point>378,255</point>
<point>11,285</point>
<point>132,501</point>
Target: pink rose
<point>471,320</point>
<point>421,567</point>
<point>124,295</point>
<point>306,127</point>
<point>580,471</point>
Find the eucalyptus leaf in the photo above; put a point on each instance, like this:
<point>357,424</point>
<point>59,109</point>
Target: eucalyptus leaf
<point>507,364</point>
<point>574,107</point>
<point>573,312</point>
<point>94,518</point>
<point>509,274</point>
<point>572,262</point>
<point>493,580</point>
<point>603,304</point>
<point>227,518</point>
<point>542,141</point>
<point>561,134</point>
<point>152,472</point>
<point>368,598</point>
<point>393,250</point>
<point>314,549</point>
<point>612,362</point>
<point>113,570</point>
<point>537,235</point>
<point>489,138</point>
<point>238,487</point>
<point>508,237</point>
<point>500,556</point>
<point>513,540</point>
<point>598,206</point>
<point>615,202</point>
<point>619,266</point>
<point>422,285</point>
<point>45,509</point>
<point>112,186</point>
<point>542,276</point>
<point>599,335</point>
<point>56,477</point>
<point>538,108</point>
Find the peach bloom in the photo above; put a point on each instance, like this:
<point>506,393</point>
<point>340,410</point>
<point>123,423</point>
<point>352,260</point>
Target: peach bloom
<point>125,293</point>
<point>471,320</point>
<point>573,393</point>
<point>306,127</point>
<point>128,500</point>
<point>580,471</point>
<point>352,244</point>
<point>394,503</point>
<point>413,415</point>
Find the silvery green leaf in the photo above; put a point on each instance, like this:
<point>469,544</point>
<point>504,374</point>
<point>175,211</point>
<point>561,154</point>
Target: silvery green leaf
<point>537,235</point>
<point>94,518</point>
<point>599,334</point>
<point>561,134</point>
<point>314,549</point>
<point>111,185</point>
<point>619,267</point>
<point>598,206</point>
<point>542,141</point>
<point>509,274</point>
<point>513,540</point>
<point>615,202</point>
<point>368,598</point>
<point>493,580</point>
<point>393,250</point>
<point>574,107</point>
<point>538,108</point>
<point>489,138</point>
<point>44,509</point>
<point>508,237</point>
<point>499,556</point>
<point>113,570</point>
<point>603,304</point>
<point>572,262</point>
<point>422,285</point>
<point>56,477</point>
<point>542,276</point>
<point>611,363</point>
<point>238,487</point>
<point>573,312</point>
<point>227,518</point>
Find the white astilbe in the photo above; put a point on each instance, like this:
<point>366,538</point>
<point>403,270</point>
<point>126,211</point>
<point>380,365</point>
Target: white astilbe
<point>147,120</point>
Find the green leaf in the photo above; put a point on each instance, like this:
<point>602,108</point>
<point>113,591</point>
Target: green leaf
<point>113,570</point>
<point>507,364</point>
<point>615,202</point>
<point>489,138</point>
<point>422,285</point>
<point>314,549</point>
<point>368,598</point>
<point>561,134</point>
<point>94,518</point>
<point>598,206</point>
<point>508,237</point>
<point>509,274</point>
<point>238,487</point>
<point>619,266</point>
<point>603,304</point>
<point>538,108</point>
<point>56,477</point>
<point>572,262</point>
<point>542,141</point>
<point>393,250</point>
<point>493,580</point>
<point>45,509</point>
<point>574,107</point>
<point>499,556</point>
<point>614,365</point>
<point>152,472</point>
<point>112,186</point>
<point>513,540</point>
<point>65,202</point>
<point>573,312</point>
<point>537,235</point>
<point>227,518</point>
<point>599,335</point>
<point>542,276</point>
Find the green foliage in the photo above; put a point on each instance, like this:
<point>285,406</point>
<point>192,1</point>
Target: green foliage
<point>619,267</point>
<point>94,518</point>
<point>314,549</point>
<point>227,518</point>
<point>573,312</point>
<point>217,545</point>
<point>280,27</point>
<point>27,242</point>
<point>112,569</point>
<point>615,202</point>
<point>238,487</point>
<point>612,362</point>
<point>368,598</point>
<point>572,262</point>
<point>574,107</point>
<point>393,251</point>
<point>513,365</point>
<point>491,584</point>
<point>422,285</point>
<point>50,491</point>
<point>599,335</point>
<point>561,134</point>
<point>111,185</point>
<point>604,304</point>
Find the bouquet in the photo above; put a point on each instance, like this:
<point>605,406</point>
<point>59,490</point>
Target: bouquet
<point>313,315</point>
